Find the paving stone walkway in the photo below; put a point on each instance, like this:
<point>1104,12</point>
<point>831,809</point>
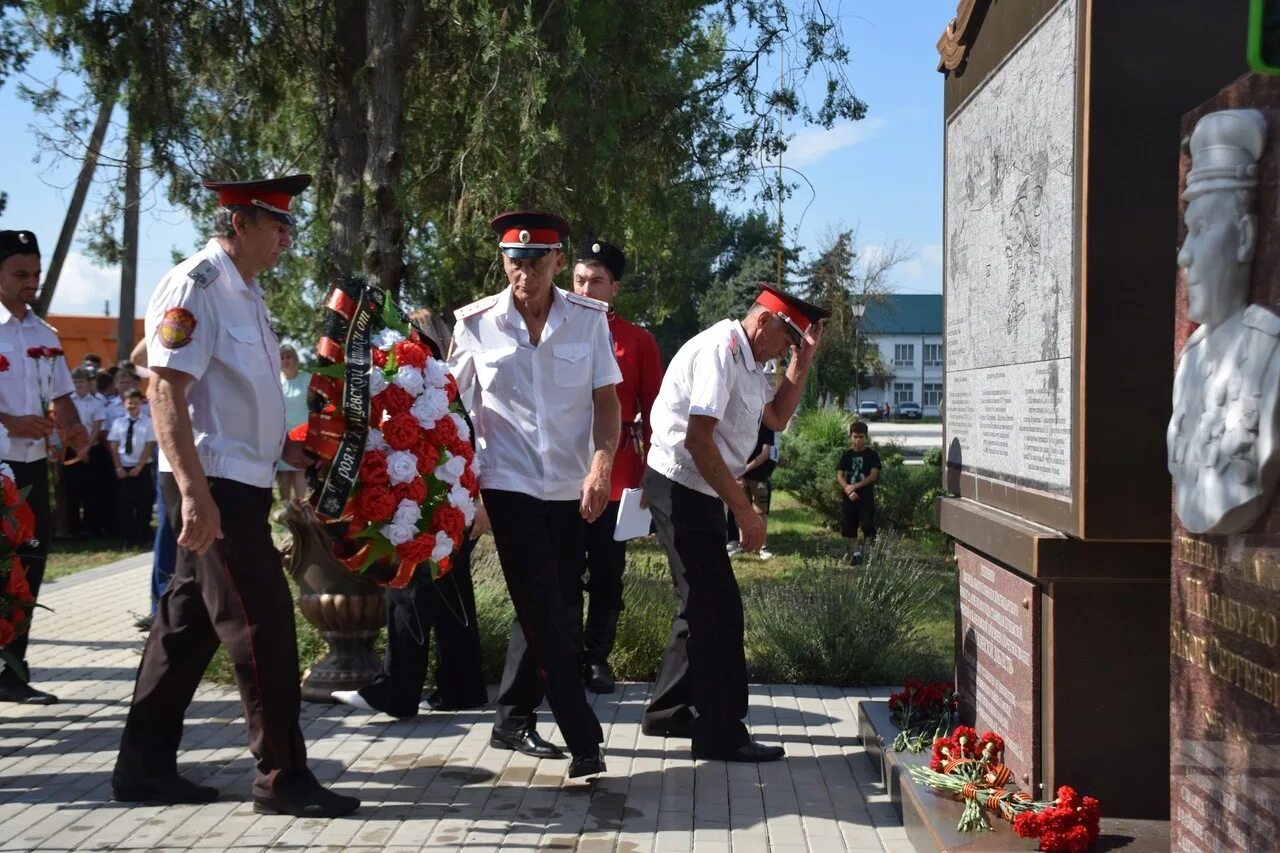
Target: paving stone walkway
<point>431,783</point>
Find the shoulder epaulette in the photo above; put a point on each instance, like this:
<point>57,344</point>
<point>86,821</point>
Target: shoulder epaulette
<point>475,307</point>
<point>587,302</point>
<point>203,274</point>
<point>1257,317</point>
<point>47,324</point>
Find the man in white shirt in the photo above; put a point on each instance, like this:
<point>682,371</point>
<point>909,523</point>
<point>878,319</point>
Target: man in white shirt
<point>705,422</point>
<point>536,368</point>
<point>218,413</point>
<point>34,374</point>
<point>85,503</point>
<point>131,443</point>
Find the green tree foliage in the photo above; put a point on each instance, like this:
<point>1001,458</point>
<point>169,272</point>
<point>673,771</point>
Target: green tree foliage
<point>629,131</point>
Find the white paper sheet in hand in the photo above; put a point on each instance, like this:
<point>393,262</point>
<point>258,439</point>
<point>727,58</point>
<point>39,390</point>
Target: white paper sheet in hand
<point>633,519</point>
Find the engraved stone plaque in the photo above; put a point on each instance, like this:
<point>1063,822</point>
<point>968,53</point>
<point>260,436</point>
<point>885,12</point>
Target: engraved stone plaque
<point>998,665</point>
<point>1010,199</point>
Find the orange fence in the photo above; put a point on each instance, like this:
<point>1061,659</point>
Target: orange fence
<point>81,335</point>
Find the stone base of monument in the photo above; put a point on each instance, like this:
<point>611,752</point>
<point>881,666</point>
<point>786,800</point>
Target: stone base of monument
<point>930,819</point>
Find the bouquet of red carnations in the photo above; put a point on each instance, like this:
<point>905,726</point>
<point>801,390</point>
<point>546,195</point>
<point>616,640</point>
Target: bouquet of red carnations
<point>396,476</point>
<point>973,769</point>
<point>17,525</point>
<point>922,712</point>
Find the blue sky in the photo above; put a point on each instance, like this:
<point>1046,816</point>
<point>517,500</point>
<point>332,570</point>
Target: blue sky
<point>882,175</point>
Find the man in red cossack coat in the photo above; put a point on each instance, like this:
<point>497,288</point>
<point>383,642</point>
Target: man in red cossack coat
<point>597,273</point>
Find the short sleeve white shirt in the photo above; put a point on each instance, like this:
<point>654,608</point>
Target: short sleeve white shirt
<point>532,406</point>
<point>142,433</point>
<point>217,331</point>
<point>714,374</point>
<point>90,408</point>
<point>20,384</point>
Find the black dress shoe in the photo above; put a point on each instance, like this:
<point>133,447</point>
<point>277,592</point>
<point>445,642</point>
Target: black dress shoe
<point>312,800</point>
<point>169,790</point>
<point>433,702</point>
<point>26,694</point>
<point>529,743</point>
<point>750,752</point>
<point>599,678</point>
<point>679,727</point>
<point>586,764</point>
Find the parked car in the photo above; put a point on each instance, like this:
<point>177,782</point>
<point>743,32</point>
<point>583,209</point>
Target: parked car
<point>870,410</point>
<point>908,411</point>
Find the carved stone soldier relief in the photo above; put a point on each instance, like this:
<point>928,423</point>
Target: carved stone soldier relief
<point>1222,438</point>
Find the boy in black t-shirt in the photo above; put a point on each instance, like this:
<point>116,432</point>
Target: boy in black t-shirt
<point>857,472</point>
<point>759,490</point>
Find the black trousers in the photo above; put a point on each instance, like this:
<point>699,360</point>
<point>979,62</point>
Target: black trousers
<point>606,560</point>
<point>84,500</point>
<point>449,606</point>
<point>35,476</point>
<point>135,498</point>
<point>542,550</point>
<point>99,517</point>
<point>234,594</point>
<point>704,664</point>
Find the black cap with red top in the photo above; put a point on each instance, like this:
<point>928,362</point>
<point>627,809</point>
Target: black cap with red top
<point>795,312</point>
<point>529,233</point>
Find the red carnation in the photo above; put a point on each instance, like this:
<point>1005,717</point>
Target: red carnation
<point>375,504</point>
<point>411,354</point>
<point>449,519</point>
<point>451,388</point>
<point>17,586</point>
<point>52,352</point>
<point>299,433</point>
<point>35,352</point>
<point>373,468</point>
<point>12,494</point>
<point>469,482</point>
<point>445,565</point>
<point>428,456</point>
<point>461,447</point>
<point>6,633</point>
<point>414,491</point>
<point>394,400</point>
<point>379,357</point>
<point>19,525</point>
<point>444,431</point>
<point>401,431</point>
<point>4,364</point>
<point>418,549</point>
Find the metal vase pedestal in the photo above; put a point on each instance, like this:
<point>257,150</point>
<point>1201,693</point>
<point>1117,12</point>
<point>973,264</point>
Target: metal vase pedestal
<point>347,609</point>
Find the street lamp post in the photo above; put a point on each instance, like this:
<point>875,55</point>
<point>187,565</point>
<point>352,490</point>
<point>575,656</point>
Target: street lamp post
<point>857,310</point>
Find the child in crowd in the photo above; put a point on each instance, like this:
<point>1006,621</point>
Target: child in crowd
<point>132,445</point>
<point>857,472</point>
<point>85,500</point>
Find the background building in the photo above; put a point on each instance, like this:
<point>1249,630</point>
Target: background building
<point>907,329</point>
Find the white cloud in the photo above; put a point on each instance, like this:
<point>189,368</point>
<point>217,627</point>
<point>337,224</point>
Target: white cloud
<point>85,288</point>
<point>815,143</point>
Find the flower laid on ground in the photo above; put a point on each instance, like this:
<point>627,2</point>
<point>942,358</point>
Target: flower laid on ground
<point>1067,825</point>
<point>922,712</point>
<point>414,493</point>
<point>972,768</point>
<point>17,525</point>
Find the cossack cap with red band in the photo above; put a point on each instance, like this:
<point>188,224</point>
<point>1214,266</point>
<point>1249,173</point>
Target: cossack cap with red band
<point>274,195</point>
<point>529,233</point>
<point>795,312</point>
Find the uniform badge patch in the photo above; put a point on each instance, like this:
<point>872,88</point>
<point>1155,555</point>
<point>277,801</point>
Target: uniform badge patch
<point>177,327</point>
<point>735,348</point>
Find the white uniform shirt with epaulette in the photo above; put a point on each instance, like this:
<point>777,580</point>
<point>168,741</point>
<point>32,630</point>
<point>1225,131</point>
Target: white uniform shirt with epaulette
<point>205,320</point>
<point>532,406</point>
<point>714,374</point>
<point>20,384</point>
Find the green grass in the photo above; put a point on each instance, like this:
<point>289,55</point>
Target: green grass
<point>66,557</point>
<point>810,617</point>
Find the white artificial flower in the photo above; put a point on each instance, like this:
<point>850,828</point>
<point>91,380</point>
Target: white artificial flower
<point>5,470</point>
<point>436,372</point>
<point>451,470</point>
<point>408,513</point>
<point>402,467</point>
<point>375,441</point>
<point>461,499</point>
<point>410,379</point>
<point>4,440</point>
<point>444,546</point>
<point>430,407</point>
<point>464,431</point>
<point>398,534</point>
<point>377,381</point>
<point>386,339</point>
